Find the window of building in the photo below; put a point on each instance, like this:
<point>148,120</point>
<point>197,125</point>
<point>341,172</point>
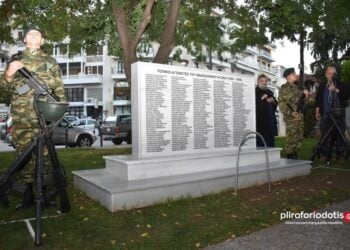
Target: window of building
<point>77,111</point>
<point>74,68</point>
<point>60,49</point>
<point>121,91</point>
<point>122,110</point>
<point>94,70</point>
<point>94,93</point>
<point>20,35</point>
<point>268,51</point>
<point>74,94</point>
<point>63,67</point>
<point>120,67</point>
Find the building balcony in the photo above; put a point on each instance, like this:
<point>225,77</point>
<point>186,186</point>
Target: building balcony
<point>121,103</point>
<point>252,50</point>
<point>76,104</point>
<point>217,63</point>
<point>67,59</point>
<point>267,70</point>
<point>118,73</point>
<point>265,56</point>
<point>82,79</point>
<point>146,55</point>
<point>94,59</point>
<point>252,64</point>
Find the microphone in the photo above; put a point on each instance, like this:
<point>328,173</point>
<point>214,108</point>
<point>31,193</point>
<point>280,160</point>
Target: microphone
<point>335,77</point>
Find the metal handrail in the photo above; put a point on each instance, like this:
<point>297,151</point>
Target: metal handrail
<point>243,140</point>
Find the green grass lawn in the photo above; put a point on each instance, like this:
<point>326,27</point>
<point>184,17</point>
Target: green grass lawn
<point>188,223</point>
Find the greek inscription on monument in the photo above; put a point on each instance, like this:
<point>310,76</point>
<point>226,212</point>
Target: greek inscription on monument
<point>177,110</point>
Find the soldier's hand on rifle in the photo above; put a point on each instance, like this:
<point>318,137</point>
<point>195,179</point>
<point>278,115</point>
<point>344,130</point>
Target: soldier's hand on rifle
<point>306,93</point>
<point>296,115</point>
<point>12,69</point>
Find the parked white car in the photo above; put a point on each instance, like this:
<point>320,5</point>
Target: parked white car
<point>72,119</point>
<point>87,123</point>
<point>65,133</point>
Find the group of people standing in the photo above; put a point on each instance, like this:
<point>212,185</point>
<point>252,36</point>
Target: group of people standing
<point>331,96</point>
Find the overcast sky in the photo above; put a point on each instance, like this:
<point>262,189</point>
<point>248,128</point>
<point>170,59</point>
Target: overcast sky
<point>287,55</point>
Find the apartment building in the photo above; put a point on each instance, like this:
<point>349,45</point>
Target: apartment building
<point>95,85</point>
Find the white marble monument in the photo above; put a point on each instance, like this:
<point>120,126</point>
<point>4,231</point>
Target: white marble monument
<point>186,126</point>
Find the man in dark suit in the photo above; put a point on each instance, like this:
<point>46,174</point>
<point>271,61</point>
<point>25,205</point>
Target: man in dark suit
<point>331,96</point>
<point>266,105</point>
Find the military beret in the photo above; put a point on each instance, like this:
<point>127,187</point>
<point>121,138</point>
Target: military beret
<point>288,71</point>
<point>30,27</point>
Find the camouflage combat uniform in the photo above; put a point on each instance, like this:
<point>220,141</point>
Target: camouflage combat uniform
<point>25,121</point>
<point>290,93</point>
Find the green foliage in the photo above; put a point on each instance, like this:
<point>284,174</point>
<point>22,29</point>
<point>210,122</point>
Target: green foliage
<point>345,72</point>
<point>91,23</point>
<point>324,24</point>
<point>330,39</point>
<point>197,28</point>
<point>309,118</point>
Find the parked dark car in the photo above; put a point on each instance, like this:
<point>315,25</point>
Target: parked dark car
<point>108,126</point>
<point>123,130</point>
<point>76,136</point>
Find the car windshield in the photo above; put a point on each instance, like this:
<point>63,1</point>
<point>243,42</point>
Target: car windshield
<point>80,122</point>
<point>110,122</point>
<point>64,123</point>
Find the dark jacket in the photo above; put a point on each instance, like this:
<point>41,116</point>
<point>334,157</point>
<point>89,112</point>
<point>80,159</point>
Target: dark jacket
<point>265,113</point>
<point>343,95</point>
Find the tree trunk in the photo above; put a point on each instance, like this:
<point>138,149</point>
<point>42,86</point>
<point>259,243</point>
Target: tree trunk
<point>301,65</point>
<point>167,41</point>
<point>128,42</point>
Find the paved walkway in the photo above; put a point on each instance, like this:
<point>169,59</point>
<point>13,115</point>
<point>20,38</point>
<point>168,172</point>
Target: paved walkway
<point>297,236</point>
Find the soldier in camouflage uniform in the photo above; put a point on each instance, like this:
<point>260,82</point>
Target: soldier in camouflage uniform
<point>289,96</point>
<point>25,121</point>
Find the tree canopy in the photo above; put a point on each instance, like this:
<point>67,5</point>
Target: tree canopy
<point>125,25</point>
<point>322,26</point>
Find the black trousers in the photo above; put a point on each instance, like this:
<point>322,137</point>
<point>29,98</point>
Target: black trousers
<point>334,138</point>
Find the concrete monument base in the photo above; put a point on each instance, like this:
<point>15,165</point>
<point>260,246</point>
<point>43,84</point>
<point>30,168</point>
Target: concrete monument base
<point>128,183</point>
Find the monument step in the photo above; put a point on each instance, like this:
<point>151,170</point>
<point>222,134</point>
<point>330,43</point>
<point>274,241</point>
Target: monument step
<point>116,194</point>
<point>126,168</point>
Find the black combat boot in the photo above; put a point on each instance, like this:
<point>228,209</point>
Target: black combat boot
<point>28,198</point>
<point>290,156</point>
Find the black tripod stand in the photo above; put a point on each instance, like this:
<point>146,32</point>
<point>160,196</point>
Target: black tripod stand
<point>337,117</point>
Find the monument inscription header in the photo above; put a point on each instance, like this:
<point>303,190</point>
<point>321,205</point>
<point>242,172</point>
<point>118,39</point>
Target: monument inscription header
<point>178,110</point>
